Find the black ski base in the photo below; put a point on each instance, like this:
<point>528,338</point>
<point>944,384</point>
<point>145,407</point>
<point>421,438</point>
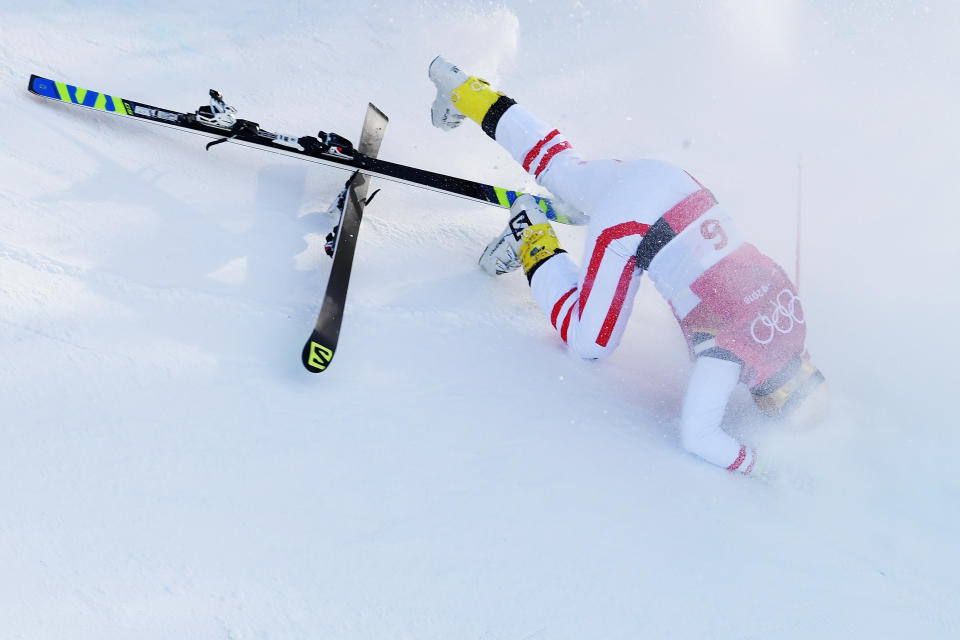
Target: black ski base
<point>320,348</point>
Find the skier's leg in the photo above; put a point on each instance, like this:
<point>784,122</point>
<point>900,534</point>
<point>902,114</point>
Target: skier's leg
<point>541,149</point>
<point>708,393</point>
<point>588,306</point>
<point>547,155</point>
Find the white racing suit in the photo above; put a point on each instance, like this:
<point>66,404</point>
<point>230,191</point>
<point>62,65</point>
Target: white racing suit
<point>737,309</point>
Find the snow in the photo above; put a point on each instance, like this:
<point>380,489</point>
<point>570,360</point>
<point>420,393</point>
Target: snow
<point>169,470</point>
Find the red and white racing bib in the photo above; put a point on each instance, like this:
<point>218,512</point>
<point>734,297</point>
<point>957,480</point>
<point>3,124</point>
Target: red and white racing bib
<point>755,310</point>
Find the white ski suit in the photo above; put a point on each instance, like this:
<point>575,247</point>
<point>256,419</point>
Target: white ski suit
<point>647,215</point>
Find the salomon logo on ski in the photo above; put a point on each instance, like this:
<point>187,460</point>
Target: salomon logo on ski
<point>317,357</point>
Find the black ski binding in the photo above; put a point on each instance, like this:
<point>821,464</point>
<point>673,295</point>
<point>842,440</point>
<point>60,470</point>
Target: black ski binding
<point>218,113</point>
<point>331,240</point>
<point>327,144</point>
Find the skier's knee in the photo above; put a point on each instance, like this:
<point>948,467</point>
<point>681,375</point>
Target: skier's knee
<point>588,349</point>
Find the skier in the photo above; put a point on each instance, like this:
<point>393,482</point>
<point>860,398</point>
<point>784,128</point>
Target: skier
<point>739,312</point>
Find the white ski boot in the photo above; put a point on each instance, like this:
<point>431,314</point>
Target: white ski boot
<point>446,77</point>
<point>528,226</point>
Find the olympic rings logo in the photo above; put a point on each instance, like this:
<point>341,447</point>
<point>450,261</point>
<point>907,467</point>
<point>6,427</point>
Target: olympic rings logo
<point>785,309</point>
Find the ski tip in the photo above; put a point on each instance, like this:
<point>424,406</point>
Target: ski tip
<point>380,113</point>
<point>316,356</point>
<point>42,87</point>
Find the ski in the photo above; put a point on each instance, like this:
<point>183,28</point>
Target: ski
<point>218,121</point>
<point>322,343</point>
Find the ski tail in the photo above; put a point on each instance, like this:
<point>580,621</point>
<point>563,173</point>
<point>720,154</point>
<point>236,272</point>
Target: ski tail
<point>321,346</point>
<point>69,93</point>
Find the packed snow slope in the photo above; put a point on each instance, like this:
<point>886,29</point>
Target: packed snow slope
<point>169,470</point>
